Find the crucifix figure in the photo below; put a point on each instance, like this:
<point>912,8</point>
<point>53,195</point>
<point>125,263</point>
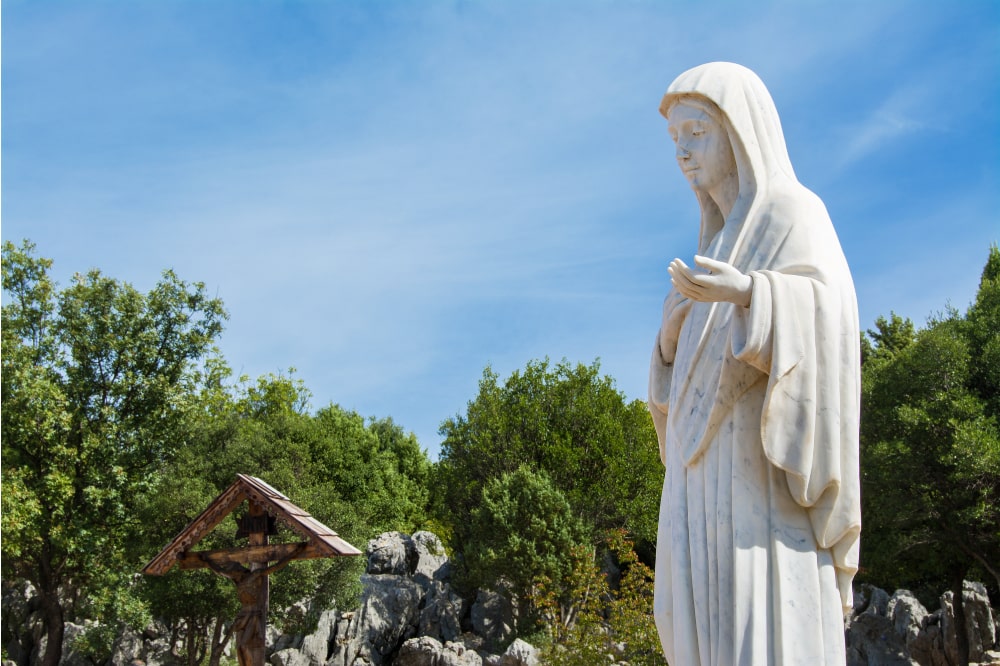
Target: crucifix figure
<point>247,566</point>
<point>252,589</point>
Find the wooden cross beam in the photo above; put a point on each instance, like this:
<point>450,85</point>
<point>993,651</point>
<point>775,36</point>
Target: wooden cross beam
<point>202,559</point>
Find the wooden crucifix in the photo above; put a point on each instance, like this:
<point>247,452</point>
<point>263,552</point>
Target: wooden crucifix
<point>250,566</point>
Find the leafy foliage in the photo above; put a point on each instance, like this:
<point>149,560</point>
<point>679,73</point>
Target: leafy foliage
<point>590,623</point>
<point>360,479</point>
<point>120,424</point>
<point>94,399</point>
<point>523,530</point>
<point>570,422</point>
<point>931,447</point>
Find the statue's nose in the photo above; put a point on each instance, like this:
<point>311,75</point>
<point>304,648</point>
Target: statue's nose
<point>682,152</point>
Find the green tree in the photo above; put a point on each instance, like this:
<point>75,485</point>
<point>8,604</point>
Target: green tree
<point>523,530</point>
<point>95,396</point>
<point>359,478</point>
<point>930,449</point>
<point>572,423</point>
<point>590,621</point>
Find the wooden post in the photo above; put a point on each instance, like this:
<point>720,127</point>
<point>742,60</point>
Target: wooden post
<point>258,537</point>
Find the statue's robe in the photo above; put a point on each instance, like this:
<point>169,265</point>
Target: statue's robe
<point>756,410</point>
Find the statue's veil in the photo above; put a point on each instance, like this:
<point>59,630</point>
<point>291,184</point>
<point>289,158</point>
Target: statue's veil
<point>751,120</point>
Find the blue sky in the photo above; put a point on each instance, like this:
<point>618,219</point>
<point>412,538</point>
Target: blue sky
<point>389,196</point>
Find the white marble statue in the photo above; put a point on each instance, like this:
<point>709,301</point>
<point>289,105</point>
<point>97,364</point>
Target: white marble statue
<point>754,389</point>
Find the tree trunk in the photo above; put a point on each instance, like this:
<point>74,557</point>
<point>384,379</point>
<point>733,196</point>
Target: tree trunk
<point>54,628</point>
<point>192,643</point>
<point>52,610</point>
<point>175,631</point>
<point>958,604</point>
<point>202,641</point>
<point>219,640</point>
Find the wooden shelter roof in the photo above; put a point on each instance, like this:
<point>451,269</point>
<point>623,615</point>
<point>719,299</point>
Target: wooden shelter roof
<point>320,540</point>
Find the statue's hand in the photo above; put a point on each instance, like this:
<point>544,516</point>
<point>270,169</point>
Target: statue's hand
<point>675,308</point>
<point>721,282</point>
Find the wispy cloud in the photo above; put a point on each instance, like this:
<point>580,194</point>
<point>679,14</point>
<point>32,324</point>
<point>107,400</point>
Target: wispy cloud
<point>900,114</point>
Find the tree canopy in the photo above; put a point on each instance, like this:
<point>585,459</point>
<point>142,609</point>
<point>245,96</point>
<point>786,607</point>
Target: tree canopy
<point>120,423</point>
<point>930,447</point>
<point>360,478</point>
<point>95,396</point>
<point>565,422</point>
<point>523,530</point>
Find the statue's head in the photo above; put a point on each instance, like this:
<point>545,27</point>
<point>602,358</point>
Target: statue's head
<point>736,97</point>
<point>704,147</point>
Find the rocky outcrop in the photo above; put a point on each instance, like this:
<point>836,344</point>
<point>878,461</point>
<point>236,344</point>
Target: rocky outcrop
<point>492,618</point>
<point>427,651</point>
<point>520,653</point>
<point>409,615</point>
<point>870,635</point>
<point>898,630</point>
<point>979,623</point>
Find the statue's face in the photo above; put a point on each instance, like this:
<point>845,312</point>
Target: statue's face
<point>704,152</point>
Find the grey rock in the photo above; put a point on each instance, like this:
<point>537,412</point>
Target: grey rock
<point>520,653</point>
<point>979,623</point>
<point>156,652</point>
<point>275,640</point>
<point>288,657</point>
<point>128,647</point>
<point>316,646</point>
<point>472,641</point>
<point>155,629</point>
<point>20,620</point>
<point>70,656</point>
<point>391,553</point>
<point>907,615</point>
<point>432,561</point>
<point>388,616</point>
<point>870,636</point>
<point>441,616</point>
<point>426,651</point>
<point>283,642</point>
<point>492,617</point>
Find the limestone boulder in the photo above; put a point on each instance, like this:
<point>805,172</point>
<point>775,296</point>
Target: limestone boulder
<point>870,635</point>
<point>907,615</point>
<point>442,612</point>
<point>391,553</point>
<point>432,561</point>
<point>520,653</point>
<point>128,647</point>
<point>389,614</point>
<point>492,616</point>
<point>288,657</point>
<point>979,623</point>
<point>426,651</point>
<point>316,646</point>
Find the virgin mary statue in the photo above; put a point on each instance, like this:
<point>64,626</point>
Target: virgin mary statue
<point>754,389</point>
